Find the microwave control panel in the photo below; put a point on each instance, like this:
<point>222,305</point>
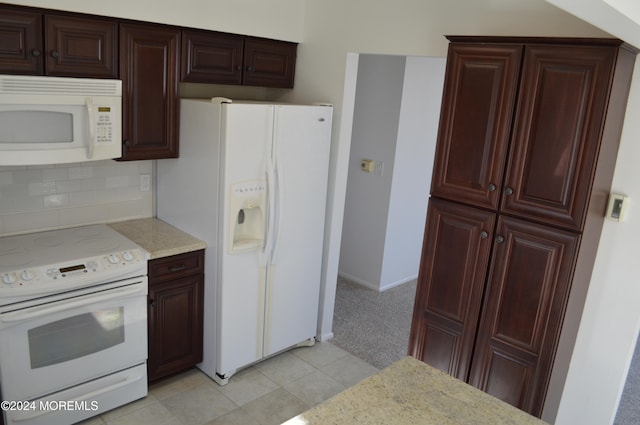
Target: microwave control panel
<point>104,124</point>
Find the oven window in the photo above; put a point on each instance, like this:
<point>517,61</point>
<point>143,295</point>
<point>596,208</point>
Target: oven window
<point>76,336</point>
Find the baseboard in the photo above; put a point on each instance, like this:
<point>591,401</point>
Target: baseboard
<point>376,288</point>
<point>359,281</point>
<point>398,283</point>
<point>325,337</point>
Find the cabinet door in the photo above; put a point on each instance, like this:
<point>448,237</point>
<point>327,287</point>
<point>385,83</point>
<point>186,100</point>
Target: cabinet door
<point>269,63</point>
<point>175,326</point>
<point>149,73</point>
<point>451,279</point>
<point>526,295</point>
<point>560,117</point>
<point>210,57</point>
<point>20,42</point>
<point>475,122</point>
<point>81,47</point>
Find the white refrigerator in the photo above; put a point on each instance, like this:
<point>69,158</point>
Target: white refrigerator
<point>251,181</point>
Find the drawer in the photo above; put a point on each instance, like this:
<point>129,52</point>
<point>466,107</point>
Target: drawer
<point>176,266</point>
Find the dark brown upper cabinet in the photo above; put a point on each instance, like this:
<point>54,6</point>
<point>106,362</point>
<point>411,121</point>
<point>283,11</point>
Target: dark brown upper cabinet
<point>269,63</point>
<point>211,57</point>
<point>81,47</point>
<point>560,117</point>
<point>475,122</point>
<point>542,105</point>
<point>63,45</point>
<point>219,58</point>
<point>21,43</point>
<point>149,70</point>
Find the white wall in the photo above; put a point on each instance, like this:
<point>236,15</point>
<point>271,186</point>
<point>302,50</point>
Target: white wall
<point>618,17</point>
<point>374,136</point>
<point>395,122</point>
<point>412,168</point>
<point>630,8</point>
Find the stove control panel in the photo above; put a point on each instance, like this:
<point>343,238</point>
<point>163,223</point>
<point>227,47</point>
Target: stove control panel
<point>88,269</point>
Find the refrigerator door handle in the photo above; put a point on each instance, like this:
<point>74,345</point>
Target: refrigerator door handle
<point>277,210</point>
<point>269,228</point>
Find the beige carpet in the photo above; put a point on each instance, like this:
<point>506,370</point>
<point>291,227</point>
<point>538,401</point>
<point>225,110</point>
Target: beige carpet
<point>373,326</point>
<point>629,408</point>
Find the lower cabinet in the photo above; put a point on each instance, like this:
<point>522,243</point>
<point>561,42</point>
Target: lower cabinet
<point>490,303</point>
<point>175,313</point>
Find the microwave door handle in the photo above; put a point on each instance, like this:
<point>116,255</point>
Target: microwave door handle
<point>92,133</point>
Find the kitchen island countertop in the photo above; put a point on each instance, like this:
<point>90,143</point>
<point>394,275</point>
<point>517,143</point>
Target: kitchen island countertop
<point>157,237</point>
<point>412,392</point>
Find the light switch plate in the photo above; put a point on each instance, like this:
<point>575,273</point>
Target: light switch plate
<point>617,207</point>
<point>367,165</point>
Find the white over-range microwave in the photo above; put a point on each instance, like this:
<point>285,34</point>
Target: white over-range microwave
<point>56,120</point>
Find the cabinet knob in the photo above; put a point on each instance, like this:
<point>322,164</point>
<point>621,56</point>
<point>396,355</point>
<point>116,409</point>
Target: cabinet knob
<point>35,52</point>
<point>484,235</point>
<point>492,187</point>
<point>500,238</point>
<point>250,68</point>
<point>55,54</point>
<point>151,302</point>
<point>238,68</point>
<point>508,191</point>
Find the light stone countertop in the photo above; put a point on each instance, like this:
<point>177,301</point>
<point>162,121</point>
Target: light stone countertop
<point>157,237</point>
<point>411,392</point>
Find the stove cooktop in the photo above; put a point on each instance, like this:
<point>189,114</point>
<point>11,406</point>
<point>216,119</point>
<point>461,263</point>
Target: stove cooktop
<point>38,263</point>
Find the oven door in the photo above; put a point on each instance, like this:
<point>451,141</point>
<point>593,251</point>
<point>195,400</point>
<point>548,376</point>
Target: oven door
<point>51,346</point>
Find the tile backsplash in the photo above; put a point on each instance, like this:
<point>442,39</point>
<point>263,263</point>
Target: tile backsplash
<point>34,198</point>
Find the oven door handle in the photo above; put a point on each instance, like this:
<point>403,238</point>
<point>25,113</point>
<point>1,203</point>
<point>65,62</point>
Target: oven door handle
<point>58,306</point>
<point>89,396</point>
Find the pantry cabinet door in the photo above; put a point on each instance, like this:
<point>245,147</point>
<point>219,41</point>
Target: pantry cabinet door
<point>451,279</point>
<point>561,111</point>
<point>526,295</point>
<point>475,122</point>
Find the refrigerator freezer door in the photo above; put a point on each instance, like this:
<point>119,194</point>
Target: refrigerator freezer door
<point>302,137</point>
<point>246,143</point>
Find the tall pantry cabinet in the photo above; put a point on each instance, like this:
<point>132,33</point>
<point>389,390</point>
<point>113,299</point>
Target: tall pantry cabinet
<point>528,136</point>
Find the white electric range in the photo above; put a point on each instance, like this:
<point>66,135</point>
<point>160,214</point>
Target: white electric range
<point>73,324</point>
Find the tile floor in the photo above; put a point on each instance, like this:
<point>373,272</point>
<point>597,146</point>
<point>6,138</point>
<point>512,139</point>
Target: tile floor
<point>267,393</point>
